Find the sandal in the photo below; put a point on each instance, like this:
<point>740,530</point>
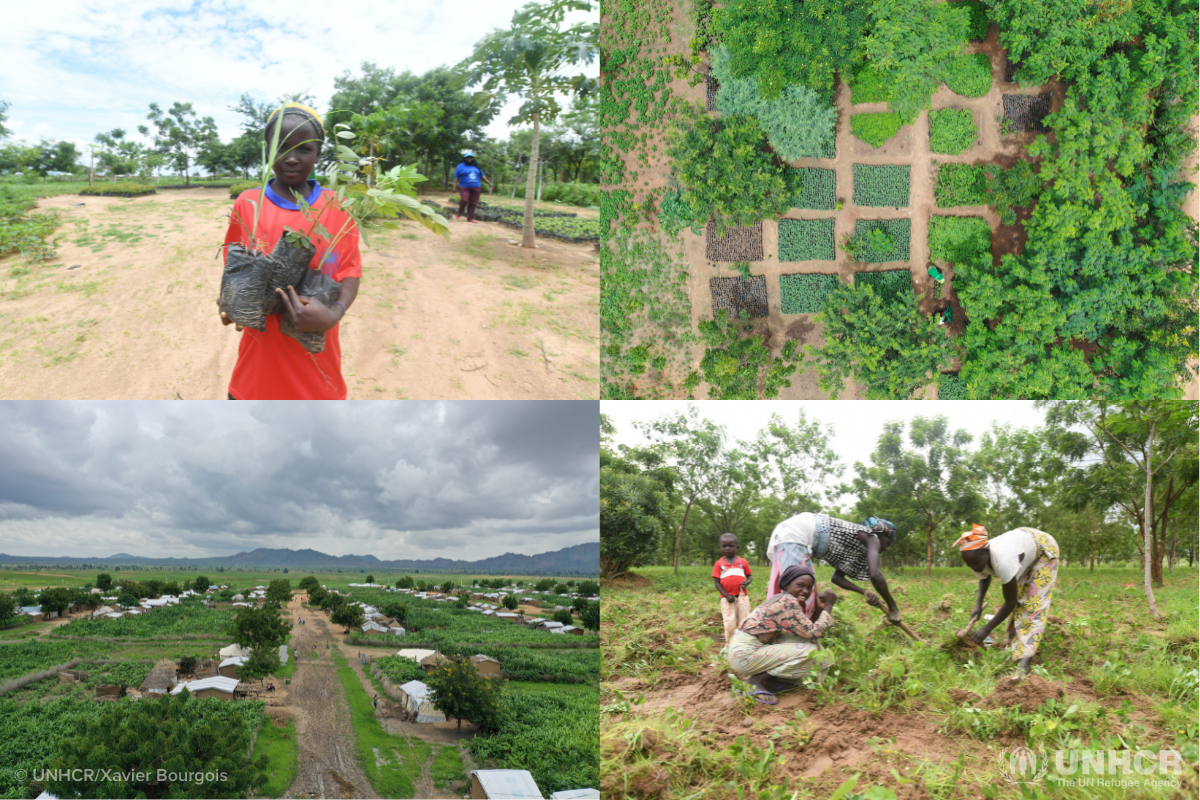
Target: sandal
<point>755,695</point>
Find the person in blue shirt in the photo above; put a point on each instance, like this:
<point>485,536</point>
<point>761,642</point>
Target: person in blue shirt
<point>467,177</point>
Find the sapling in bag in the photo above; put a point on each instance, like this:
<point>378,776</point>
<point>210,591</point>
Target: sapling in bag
<point>320,287</point>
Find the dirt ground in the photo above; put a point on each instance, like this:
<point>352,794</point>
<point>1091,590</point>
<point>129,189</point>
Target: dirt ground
<point>472,318</point>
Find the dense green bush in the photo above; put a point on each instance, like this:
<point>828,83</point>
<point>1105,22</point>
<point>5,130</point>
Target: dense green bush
<point>737,362</point>
<point>951,131</point>
<point>951,387</point>
<point>674,213</point>
<point>118,190</point>
<point>585,195</point>
<point>881,185</point>
<point>862,246</point>
<point>805,294</point>
<point>726,173</point>
<point>960,185</point>
<point>806,240</point>
<point>788,43</point>
<point>869,84</point>
<point>1013,188</point>
<point>889,285</point>
<point>875,129</point>
<point>970,75</point>
<point>814,188</point>
<point>979,23</point>
<point>236,190</point>
<point>959,240</point>
<point>24,232</point>
<point>798,123</point>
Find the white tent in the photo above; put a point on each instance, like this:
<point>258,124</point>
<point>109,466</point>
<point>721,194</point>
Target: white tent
<point>221,684</point>
<point>415,655</point>
<point>235,651</point>
<point>416,701</point>
<point>503,784</point>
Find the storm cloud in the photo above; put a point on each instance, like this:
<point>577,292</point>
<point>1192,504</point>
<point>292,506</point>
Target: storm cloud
<point>408,479</point>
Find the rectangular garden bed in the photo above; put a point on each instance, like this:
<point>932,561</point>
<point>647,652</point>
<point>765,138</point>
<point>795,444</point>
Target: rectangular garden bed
<point>740,243</point>
<point>1025,112</point>
<point>960,185</point>
<point>881,185</point>
<point>806,240</point>
<point>900,231</point>
<point>805,294</point>
<point>738,295</point>
<point>892,284</point>
<point>817,188</point>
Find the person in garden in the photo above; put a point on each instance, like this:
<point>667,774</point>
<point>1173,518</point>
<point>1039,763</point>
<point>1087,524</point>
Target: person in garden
<point>1025,561</point>
<point>775,647</point>
<point>851,549</point>
<point>731,576</point>
<point>270,365</point>
<point>467,178</point>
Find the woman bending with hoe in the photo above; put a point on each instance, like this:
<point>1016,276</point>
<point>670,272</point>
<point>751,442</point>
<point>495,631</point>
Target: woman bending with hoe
<point>776,645</point>
<point>1025,560</point>
<point>851,549</point>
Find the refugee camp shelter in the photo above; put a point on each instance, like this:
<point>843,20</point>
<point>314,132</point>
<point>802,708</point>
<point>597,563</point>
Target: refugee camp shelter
<point>220,687</point>
<point>576,794</point>
<point>432,662</point>
<point>229,667</point>
<point>416,698</point>
<point>162,678</point>
<point>486,665</point>
<point>503,784</point>
<point>416,654</point>
<point>235,651</point>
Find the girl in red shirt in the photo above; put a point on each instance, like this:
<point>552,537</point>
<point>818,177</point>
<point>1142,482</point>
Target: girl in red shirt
<point>270,365</point>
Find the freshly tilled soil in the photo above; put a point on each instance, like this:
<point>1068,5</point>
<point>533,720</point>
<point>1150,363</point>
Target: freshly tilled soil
<point>740,243</point>
<point>738,294</point>
<point>1026,111</point>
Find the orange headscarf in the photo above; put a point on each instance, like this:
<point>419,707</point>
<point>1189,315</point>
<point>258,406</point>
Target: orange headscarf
<point>973,539</point>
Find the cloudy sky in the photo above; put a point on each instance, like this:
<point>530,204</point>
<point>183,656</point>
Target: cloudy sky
<point>78,67</point>
<point>857,424</point>
<point>464,480</point>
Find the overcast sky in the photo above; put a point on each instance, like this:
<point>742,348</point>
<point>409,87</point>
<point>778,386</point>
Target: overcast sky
<point>463,480</point>
<point>857,424</point>
<point>77,67</point>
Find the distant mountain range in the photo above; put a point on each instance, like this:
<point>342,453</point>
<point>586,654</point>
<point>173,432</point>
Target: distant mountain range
<point>582,559</point>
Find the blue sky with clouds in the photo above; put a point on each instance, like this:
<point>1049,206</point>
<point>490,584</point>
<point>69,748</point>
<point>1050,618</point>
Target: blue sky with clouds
<point>82,67</point>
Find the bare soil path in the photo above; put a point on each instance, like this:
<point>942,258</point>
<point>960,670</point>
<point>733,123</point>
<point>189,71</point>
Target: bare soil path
<point>328,762</point>
<point>472,318</point>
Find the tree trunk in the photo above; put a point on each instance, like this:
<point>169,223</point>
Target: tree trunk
<point>929,550</point>
<point>528,238</point>
<point>1147,516</point>
<point>1171,554</point>
<point>1092,568</point>
<point>679,537</point>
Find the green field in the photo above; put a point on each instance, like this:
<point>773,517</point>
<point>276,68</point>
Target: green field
<point>918,719</point>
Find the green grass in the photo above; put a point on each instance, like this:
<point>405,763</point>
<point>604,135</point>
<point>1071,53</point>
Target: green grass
<point>283,673</point>
<point>282,750</point>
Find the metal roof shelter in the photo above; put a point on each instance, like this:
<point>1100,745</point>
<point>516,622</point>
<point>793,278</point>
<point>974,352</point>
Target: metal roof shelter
<point>419,703</point>
<point>503,784</point>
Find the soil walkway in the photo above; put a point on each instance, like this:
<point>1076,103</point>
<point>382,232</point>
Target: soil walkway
<point>126,311</point>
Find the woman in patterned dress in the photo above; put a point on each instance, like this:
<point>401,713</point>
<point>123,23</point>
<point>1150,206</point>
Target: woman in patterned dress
<point>1025,560</point>
<point>776,645</point>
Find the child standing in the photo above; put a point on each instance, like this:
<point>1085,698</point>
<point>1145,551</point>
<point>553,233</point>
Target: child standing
<point>731,576</point>
<point>270,365</point>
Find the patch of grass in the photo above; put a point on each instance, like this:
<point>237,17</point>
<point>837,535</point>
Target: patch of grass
<point>517,282</point>
<point>480,245</point>
<point>951,131</point>
<point>88,288</point>
<point>447,768</point>
<point>519,353</point>
<point>283,755</point>
<point>875,129</point>
<point>951,387</point>
<point>397,353</point>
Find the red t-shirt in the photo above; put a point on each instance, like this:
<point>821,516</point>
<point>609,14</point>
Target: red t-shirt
<point>272,366</point>
<point>732,575</point>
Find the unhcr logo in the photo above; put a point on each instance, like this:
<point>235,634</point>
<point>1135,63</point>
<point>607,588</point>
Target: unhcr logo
<point>1023,766</point>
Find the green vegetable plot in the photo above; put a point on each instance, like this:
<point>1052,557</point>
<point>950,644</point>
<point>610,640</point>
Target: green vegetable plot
<point>883,185</point>
<point>960,185</point>
<point>36,655</point>
<point>970,75</point>
<point>168,621</point>
<point>805,294</point>
<point>951,387</point>
<point>806,240</point>
<point>951,131</point>
<point>875,129</point>
<point>959,240</point>
<point>889,285</point>
<point>870,234</point>
<point>814,188</point>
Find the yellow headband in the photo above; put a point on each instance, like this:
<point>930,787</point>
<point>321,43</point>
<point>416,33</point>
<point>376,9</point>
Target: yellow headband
<point>973,539</point>
<point>303,110</point>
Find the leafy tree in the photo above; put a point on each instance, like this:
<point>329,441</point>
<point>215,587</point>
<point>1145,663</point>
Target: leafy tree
<point>563,615</point>
<point>1017,473</point>
<point>404,583</point>
<point>201,584</point>
<point>172,588</point>
<point>544,585</point>
<point>118,155</point>
<point>279,592</point>
<point>104,582</point>
<point>308,583</point>
<point>912,42</point>
<point>1013,188</point>
<point>54,600</point>
<point>795,463</point>
<point>1061,37</point>
<point>397,611</point>
<point>590,615</point>
<point>54,156</point>
<point>459,691</point>
<point>172,734</point>
<point>579,604</point>
<point>179,134</point>
<point>448,587</point>
<point>127,600</point>
<point>529,60</point>
<point>3,119</point>
<point>561,588</point>
<point>726,173</point>
<point>348,615</point>
<point>799,123</point>
<point>785,43</point>
<point>187,665</point>
<point>153,587</point>
<point>370,579</point>
<point>8,609</point>
<point>317,596</point>
<point>889,347</point>
<point>510,602</point>
<point>737,363</point>
<point>589,588</point>
<point>261,630</point>
<point>929,485</point>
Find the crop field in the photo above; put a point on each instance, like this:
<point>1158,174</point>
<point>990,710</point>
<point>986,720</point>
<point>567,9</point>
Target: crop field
<point>710,123</point>
<point>179,620</point>
<point>22,658</point>
<point>906,719</point>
